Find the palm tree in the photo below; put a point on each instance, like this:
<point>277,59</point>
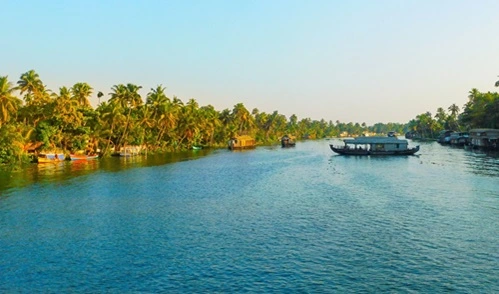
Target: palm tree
<point>111,117</point>
<point>452,118</point>
<point>81,93</point>
<point>30,83</point>
<point>441,117</point>
<point>128,98</point>
<point>188,124</point>
<point>8,102</point>
<point>156,99</point>
<point>242,119</point>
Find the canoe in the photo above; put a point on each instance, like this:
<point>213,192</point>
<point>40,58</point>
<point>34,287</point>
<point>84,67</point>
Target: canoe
<point>83,156</point>
<point>50,157</point>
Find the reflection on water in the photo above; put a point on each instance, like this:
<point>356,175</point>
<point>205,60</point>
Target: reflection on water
<point>62,171</point>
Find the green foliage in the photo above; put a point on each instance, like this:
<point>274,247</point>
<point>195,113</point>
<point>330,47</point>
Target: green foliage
<point>11,146</point>
<point>67,121</point>
<point>44,133</point>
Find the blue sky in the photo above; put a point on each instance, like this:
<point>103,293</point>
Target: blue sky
<point>353,61</point>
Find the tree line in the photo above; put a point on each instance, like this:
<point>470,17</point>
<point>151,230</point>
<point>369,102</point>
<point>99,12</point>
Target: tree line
<point>33,116</point>
<point>480,111</point>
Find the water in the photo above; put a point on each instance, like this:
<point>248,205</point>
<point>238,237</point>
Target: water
<point>265,220</point>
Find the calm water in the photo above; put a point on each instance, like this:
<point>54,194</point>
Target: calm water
<point>300,220</point>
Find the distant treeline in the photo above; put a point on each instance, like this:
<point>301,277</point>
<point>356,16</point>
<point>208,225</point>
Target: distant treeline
<point>65,121</point>
<point>481,111</point>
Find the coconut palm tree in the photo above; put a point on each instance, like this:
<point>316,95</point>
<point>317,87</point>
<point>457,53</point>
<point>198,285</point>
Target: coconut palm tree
<point>242,119</point>
<point>111,118</point>
<point>452,118</point>
<point>30,84</point>
<point>157,99</point>
<point>128,98</point>
<point>8,102</point>
<point>81,92</point>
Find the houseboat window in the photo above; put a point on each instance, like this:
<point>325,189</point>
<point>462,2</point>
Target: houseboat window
<point>397,146</point>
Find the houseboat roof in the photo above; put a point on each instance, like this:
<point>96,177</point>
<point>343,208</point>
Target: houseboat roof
<point>243,137</point>
<point>375,140</point>
<point>490,133</point>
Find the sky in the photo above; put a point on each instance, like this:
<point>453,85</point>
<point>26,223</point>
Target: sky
<point>364,61</point>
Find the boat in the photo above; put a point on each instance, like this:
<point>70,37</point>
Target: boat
<point>485,139</point>
<point>83,156</point>
<point>197,147</point>
<point>130,150</point>
<point>444,137</point>
<point>459,138</point>
<point>241,142</point>
<point>287,141</point>
<point>50,157</point>
<point>374,146</point>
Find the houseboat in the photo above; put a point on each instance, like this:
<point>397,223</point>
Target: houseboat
<point>287,141</point>
<point>444,137</point>
<point>459,138</point>
<point>374,146</point>
<point>486,139</point>
<point>241,142</point>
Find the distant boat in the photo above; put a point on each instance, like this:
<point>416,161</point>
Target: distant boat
<point>197,147</point>
<point>241,142</point>
<point>444,137</point>
<point>485,139</point>
<point>130,150</point>
<point>83,156</point>
<point>50,157</point>
<point>459,138</point>
<point>374,146</point>
<point>287,141</point>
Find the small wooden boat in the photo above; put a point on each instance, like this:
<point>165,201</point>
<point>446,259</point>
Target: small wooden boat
<point>374,146</point>
<point>83,156</point>
<point>241,142</point>
<point>50,157</point>
<point>131,150</point>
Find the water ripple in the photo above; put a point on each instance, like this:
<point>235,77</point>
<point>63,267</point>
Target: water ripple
<point>266,220</point>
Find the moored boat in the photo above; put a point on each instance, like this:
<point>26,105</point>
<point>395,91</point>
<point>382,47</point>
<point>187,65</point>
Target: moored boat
<point>485,139</point>
<point>287,141</point>
<point>374,146</point>
<point>50,157</point>
<point>459,138</point>
<point>444,137</point>
<point>83,156</point>
<point>241,142</point>
<point>130,150</point>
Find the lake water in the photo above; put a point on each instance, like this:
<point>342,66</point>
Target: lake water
<point>298,220</point>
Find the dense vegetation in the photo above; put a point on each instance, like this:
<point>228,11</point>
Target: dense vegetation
<point>481,111</point>
<point>66,121</point>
